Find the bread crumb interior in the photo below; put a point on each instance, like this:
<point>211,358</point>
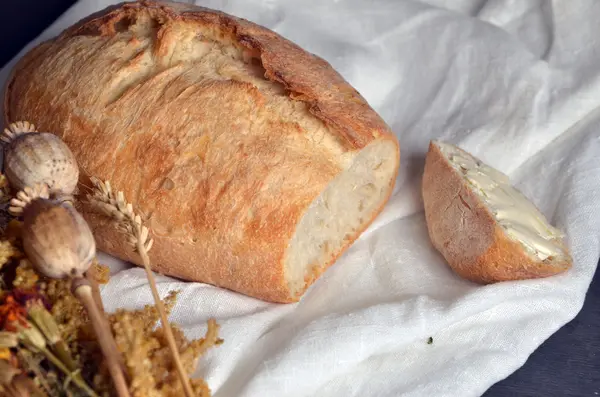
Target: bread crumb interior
<point>345,207</point>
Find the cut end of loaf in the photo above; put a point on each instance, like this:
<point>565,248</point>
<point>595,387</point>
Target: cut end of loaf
<point>486,229</point>
<point>340,213</point>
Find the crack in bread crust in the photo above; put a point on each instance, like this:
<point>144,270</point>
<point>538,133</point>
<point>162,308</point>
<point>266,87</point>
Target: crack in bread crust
<point>248,128</point>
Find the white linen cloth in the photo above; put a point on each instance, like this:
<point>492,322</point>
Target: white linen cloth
<point>515,82</point>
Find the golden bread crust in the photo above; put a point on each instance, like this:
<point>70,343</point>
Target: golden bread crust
<point>465,232</point>
<point>211,150</point>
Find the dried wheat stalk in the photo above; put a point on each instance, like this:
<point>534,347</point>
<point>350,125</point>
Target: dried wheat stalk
<point>105,201</point>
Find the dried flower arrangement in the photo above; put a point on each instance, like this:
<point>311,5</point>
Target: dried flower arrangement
<point>55,338</point>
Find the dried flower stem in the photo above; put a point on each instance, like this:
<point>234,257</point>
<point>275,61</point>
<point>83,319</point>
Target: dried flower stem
<point>33,338</point>
<point>90,275</point>
<point>74,376</point>
<point>83,291</point>
<point>211,338</point>
<point>42,319</point>
<point>25,356</point>
<point>119,209</point>
<point>163,318</point>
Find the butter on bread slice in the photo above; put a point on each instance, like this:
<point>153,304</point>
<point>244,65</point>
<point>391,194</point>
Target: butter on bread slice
<point>484,227</point>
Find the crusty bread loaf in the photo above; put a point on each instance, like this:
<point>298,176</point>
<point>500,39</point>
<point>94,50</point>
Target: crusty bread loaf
<point>255,163</point>
<point>485,228</point>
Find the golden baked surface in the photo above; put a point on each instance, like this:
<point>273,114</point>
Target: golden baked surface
<point>221,132</point>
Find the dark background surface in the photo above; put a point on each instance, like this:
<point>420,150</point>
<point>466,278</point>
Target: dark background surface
<point>566,365</point>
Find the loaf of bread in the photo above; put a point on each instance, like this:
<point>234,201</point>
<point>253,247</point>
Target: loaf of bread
<point>255,164</point>
<point>485,228</point>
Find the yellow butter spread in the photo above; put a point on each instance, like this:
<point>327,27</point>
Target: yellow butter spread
<point>519,218</point>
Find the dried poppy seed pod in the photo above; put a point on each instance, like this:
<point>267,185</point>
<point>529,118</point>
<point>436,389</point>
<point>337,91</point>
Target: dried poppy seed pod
<point>33,157</point>
<point>57,240</point>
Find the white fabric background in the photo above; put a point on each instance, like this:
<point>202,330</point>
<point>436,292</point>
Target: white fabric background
<point>515,82</point>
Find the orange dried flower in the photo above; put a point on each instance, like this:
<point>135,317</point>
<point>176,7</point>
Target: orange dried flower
<point>11,313</point>
<point>5,353</point>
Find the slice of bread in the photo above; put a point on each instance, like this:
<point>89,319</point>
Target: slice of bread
<point>485,228</point>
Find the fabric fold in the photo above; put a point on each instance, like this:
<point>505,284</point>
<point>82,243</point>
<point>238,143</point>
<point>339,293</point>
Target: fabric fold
<point>518,86</point>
